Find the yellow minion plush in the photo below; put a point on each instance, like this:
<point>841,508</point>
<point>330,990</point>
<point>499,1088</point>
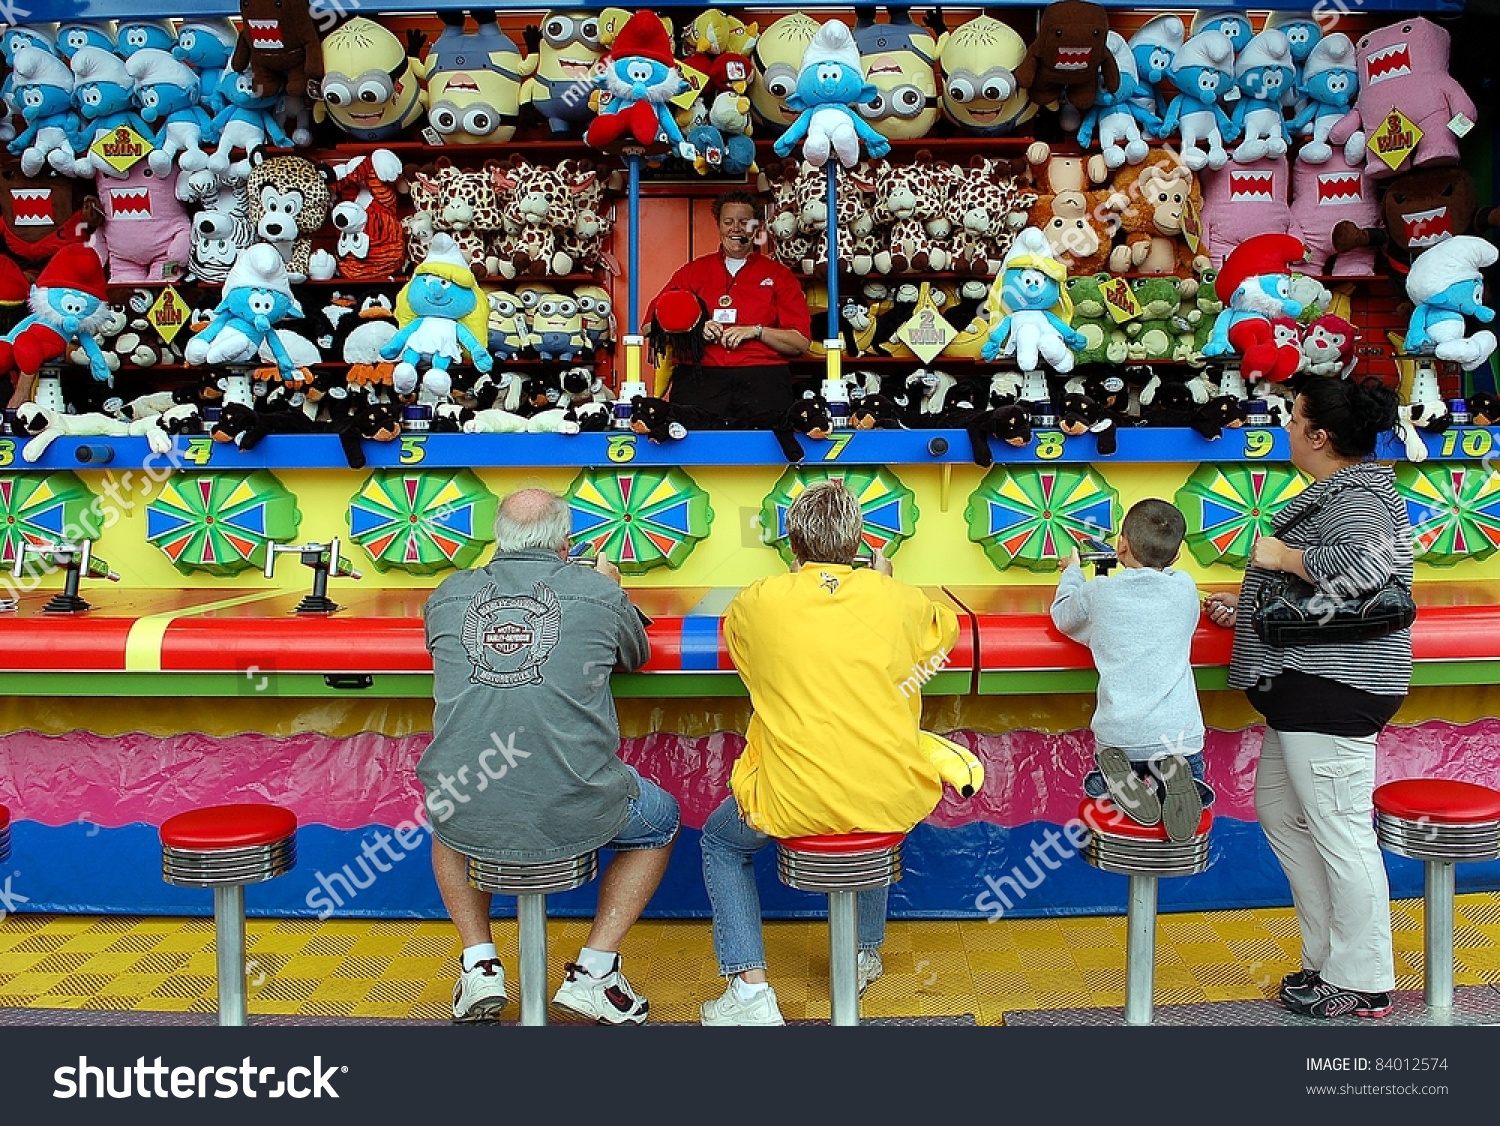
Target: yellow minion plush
<point>473,82</point>
<point>976,68</point>
<point>776,59</point>
<point>370,88</point>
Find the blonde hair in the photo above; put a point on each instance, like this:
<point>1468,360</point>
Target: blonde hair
<point>824,524</point>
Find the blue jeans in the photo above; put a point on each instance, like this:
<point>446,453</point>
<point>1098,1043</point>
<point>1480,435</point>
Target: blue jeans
<point>654,819</point>
<point>729,848</point>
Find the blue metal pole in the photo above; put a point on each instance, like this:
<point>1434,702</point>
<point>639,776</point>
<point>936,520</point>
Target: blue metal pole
<point>633,162</point>
<point>833,249</point>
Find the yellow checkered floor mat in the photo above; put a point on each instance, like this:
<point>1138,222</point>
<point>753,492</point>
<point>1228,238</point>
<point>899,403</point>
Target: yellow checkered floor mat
<point>398,968</point>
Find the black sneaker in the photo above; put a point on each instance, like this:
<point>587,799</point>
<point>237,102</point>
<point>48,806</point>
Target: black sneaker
<point>1299,980</point>
<point>1131,793</point>
<point>1327,1001</point>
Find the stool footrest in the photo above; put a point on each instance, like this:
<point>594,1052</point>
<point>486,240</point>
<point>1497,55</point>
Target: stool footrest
<point>505,878</point>
<point>1438,840</point>
<point>1134,856</point>
<point>826,872</point>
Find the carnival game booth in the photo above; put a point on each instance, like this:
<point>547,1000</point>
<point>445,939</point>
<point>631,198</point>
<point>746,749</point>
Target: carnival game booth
<point>191,656</point>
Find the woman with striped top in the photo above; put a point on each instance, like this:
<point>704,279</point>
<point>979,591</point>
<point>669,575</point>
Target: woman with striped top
<point>1325,704</point>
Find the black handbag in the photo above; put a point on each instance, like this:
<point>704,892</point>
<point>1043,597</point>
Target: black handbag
<point>1291,611</point>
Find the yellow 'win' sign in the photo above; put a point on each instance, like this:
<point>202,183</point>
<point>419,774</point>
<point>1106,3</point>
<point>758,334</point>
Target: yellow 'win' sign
<point>122,148</point>
<point>168,314</point>
<point>1120,300</point>
<point>1395,140</point>
<point>696,81</point>
<point>927,333</point>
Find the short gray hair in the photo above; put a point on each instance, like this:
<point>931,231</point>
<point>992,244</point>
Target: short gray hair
<point>532,520</point>
<point>824,524</point>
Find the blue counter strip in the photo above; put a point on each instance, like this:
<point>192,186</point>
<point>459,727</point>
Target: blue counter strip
<point>700,644</point>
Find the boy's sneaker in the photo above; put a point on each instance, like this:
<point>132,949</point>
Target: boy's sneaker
<point>1299,980</point>
<point>760,1011</point>
<point>604,1000</point>
<point>1326,1000</point>
<point>1181,804</point>
<point>1130,791</point>
<point>870,968</point>
<point>479,993</point>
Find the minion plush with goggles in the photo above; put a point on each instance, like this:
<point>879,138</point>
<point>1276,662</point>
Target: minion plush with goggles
<point>567,50</point>
<point>776,59</point>
<point>473,82</point>
<point>370,87</point>
<point>898,59</point>
<point>977,64</point>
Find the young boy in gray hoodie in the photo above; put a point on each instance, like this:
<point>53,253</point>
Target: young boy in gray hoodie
<point>1139,625</point>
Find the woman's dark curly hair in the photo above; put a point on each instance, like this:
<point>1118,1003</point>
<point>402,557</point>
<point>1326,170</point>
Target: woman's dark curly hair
<point>1353,412</point>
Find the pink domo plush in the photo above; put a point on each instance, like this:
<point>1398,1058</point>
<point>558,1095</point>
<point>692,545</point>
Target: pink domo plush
<point>1405,66</point>
<point>1324,195</point>
<point>146,234</point>
<point>1243,200</point>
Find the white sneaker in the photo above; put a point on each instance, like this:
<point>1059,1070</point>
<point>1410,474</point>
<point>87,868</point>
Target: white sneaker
<point>479,993</point>
<point>605,1000</point>
<point>731,1009</point>
<point>870,968</point>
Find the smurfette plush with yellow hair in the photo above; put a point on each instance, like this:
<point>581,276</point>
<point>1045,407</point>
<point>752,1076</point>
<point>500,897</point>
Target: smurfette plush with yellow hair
<point>1036,325</point>
<point>443,314</point>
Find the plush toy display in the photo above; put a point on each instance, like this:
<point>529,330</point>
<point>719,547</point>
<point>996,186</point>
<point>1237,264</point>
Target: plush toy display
<point>567,52</point>
<point>1152,48</point>
<point>1255,289</point>
<point>43,89</point>
<point>1418,210</point>
<point>473,81</point>
<point>1070,56</point>
<point>1324,196</point>
<point>289,202</point>
<point>1446,284</point>
<point>977,62</point>
<point>829,85</point>
<point>370,90</point>
<point>444,317</point>
<point>1244,200</point>
<point>1329,83</point>
<point>169,94</point>
<point>370,246</point>
<point>1203,71</point>
<point>1263,72</point>
<point>278,46</point>
<point>246,122</point>
<point>1405,67</point>
<point>69,306</point>
<point>1118,116</point>
<point>146,235</point>
<point>105,95</point>
<point>1035,327</point>
<point>776,59</point>
<point>257,295</point>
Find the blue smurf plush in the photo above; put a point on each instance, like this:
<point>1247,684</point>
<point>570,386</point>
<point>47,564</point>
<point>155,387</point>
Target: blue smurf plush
<point>257,294</point>
<point>246,122</point>
<point>1447,284</point>
<point>141,35</point>
<point>206,46</point>
<point>1303,33</point>
<point>829,85</point>
<point>44,92</point>
<point>1202,72</point>
<point>1118,116</point>
<point>1330,81</point>
<point>1264,72</point>
<point>105,95</point>
<point>1233,25</point>
<point>1037,321</point>
<point>443,315</point>
<point>74,35</point>
<point>1152,49</point>
<point>168,92</point>
<point>12,39</point>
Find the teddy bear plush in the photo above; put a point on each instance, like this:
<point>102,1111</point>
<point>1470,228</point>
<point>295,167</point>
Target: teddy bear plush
<point>1069,56</point>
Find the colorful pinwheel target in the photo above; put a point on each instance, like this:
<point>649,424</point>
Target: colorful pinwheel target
<point>1227,506</point>
<point>1032,516</point>
<point>1454,510</point>
<point>44,508</point>
<point>220,523</point>
<point>888,507</point>
<point>422,523</point>
<point>639,519</point>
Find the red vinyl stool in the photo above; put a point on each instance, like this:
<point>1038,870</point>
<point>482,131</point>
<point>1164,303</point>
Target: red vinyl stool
<point>225,847</point>
<point>1144,853</point>
<point>840,867</point>
<point>1440,823</point>
<point>531,884</point>
<point>4,833</point>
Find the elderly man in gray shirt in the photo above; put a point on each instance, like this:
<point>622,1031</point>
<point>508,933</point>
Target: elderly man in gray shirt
<point>524,761</point>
